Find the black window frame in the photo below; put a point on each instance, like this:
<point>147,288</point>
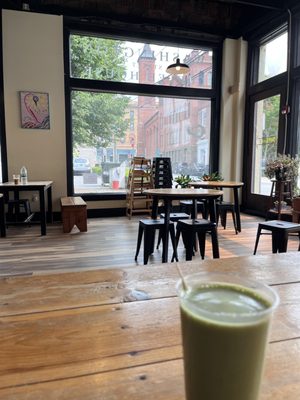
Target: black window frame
<point>256,90</point>
<point>213,94</point>
<point>2,113</point>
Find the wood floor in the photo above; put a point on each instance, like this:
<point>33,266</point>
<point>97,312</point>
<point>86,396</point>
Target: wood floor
<point>109,243</point>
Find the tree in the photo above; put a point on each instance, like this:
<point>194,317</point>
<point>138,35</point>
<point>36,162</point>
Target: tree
<point>270,133</point>
<point>98,119</point>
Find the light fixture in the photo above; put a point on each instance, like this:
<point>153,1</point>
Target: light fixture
<point>178,68</point>
<point>25,7</point>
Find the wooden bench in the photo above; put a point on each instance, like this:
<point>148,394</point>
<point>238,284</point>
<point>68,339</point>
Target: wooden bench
<point>73,212</point>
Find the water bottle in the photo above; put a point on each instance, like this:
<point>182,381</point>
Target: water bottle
<point>23,176</point>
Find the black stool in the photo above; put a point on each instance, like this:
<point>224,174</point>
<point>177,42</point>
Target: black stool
<point>186,207</point>
<point>280,231</point>
<point>175,217</point>
<point>148,228</point>
<point>222,208</point>
<point>192,227</point>
<point>14,208</point>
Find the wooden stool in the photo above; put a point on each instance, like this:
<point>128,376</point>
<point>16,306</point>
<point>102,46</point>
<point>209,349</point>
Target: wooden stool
<point>280,231</point>
<point>148,228</point>
<point>192,227</point>
<point>73,212</point>
<point>222,208</point>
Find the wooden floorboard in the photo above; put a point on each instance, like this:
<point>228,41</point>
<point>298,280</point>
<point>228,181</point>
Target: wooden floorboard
<point>108,243</point>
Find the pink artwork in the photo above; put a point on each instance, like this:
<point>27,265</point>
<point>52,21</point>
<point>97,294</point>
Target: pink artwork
<point>35,110</point>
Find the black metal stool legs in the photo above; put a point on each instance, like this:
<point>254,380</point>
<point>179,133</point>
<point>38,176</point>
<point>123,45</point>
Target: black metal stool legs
<point>257,239</point>
<point>139,241</point>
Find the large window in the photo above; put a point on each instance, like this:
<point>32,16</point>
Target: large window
<point>273,57</point>
<point>266,123</point>
<point>165,127</point>
<point>115,115</point>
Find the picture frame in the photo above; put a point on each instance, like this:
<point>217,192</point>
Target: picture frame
<point>34,110</point>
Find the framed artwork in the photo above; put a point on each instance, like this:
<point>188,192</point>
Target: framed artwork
<point>35,110</point>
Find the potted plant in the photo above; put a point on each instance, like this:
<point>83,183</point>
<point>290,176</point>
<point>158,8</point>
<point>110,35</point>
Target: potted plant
<point>283,167</point>
<point>214,176</point>
<point>296,205</point>
<point>182,181</point>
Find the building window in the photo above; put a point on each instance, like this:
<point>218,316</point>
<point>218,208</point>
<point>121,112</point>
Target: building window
<point>201,78</point>
<point>110,126</point>
<point>131,121</point>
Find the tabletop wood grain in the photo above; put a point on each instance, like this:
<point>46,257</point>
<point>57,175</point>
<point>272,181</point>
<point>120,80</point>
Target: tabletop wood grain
<point>217,184</point>
<point>183,193</point>
<point>115,334</point>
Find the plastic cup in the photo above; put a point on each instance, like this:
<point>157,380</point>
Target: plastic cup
<point>16,179</point>
<point>225,323</point>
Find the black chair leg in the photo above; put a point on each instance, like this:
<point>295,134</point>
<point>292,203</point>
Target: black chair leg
<point>257,239</point>
<point>223,215</point>
<point>282,242</point>
<point>201,240</point>
<point>177,237</point>
<point>172,234</point>
<point>139,241</point>
<point>149,237</point>
<point>152,242</point>
<point>275,242</point>
<point>189,246</point>
<point>234,222</point>
<point>159,238</point>
<point>215,243</point>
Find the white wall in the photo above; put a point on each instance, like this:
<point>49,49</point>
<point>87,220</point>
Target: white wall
<point>232,108</point>
<point>33,60</point>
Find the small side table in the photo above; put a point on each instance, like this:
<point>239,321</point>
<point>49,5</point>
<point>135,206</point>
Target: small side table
<point>280,191</point>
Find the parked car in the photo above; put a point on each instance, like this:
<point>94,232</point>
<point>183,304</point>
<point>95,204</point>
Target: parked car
<point>81,166</point>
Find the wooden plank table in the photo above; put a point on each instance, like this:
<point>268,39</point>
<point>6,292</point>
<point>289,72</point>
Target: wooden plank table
<point>115,334</point>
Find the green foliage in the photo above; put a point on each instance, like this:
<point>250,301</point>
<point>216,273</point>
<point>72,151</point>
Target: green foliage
<point>284,165</point>
<point>98,119</point>
<point>214,176</point>
<point>96,58</point>
<point>97,169</point>
<point>183,180</point>
<point>271,108</point>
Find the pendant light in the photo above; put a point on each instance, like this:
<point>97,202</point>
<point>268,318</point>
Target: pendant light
<point>178,68</point>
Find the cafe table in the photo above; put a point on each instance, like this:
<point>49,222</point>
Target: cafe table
<point>115,333</point>
<point>44,188</point>
<point>221,185</point>
<point>168,195</point>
